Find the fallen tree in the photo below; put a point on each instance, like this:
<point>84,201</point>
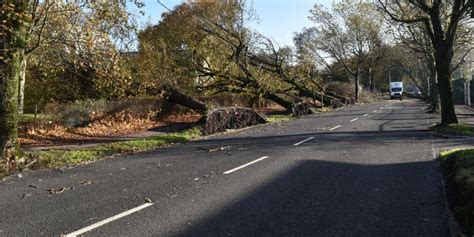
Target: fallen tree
<point>216,120</point>
<point>222,119</point>
<point>174,96</point>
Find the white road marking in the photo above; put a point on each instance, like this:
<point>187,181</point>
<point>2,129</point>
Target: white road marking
<point>374,110</point>
<point>108,220</point>
<point>354,120</point>
<point>338,126</point>
<point>381,108</point>
<point>365,115</point>
<point>305,140</point>
<point>243,166</point>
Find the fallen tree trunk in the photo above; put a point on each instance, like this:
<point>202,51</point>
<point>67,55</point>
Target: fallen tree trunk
<point>277,99</point>
<point>328,99</point>
<point>174,96</point>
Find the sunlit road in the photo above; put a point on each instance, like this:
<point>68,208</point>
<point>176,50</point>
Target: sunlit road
<point>366,170</point>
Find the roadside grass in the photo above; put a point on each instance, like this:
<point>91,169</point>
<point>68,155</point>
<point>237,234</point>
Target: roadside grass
<point>324,110</point>
<point>57,158</point>
<point>455,129</point>
<point>458,168</point>
<point>278,118</point>
<point>60,158</point>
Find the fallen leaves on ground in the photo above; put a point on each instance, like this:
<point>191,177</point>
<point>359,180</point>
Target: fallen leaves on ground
<point>103,127</point>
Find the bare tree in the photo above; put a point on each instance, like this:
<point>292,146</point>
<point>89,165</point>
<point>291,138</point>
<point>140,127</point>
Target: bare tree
<point>349,34</point>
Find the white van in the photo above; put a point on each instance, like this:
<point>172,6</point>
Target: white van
<point>396,89</point>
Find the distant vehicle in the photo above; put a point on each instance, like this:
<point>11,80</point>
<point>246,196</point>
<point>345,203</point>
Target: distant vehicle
<point>396,90</point>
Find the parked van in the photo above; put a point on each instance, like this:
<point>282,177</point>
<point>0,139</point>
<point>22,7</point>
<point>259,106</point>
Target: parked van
<point>396,90</point>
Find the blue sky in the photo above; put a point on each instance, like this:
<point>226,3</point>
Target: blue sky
<point>278,19</point>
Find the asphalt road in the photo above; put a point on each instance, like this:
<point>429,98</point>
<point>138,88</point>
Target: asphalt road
<point>366,170</point>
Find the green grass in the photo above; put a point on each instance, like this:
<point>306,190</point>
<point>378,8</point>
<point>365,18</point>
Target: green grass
<point>278,118</point>
<point>456,129</point>
<point>460,165</point>
<point>60,158</point>
<point>28,118</point>
<point>324,109</point>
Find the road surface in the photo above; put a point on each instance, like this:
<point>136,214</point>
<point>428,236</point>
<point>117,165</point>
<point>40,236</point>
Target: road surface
<point>366,170</point>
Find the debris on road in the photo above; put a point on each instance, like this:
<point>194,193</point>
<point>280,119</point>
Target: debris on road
<point>222,148</point>
<point>25,195</point>
<point>86,182</point>
<point>59,190</point>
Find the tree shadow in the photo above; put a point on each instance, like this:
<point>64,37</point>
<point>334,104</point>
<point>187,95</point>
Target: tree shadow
<point>175,127</point>
<point>320,198</point>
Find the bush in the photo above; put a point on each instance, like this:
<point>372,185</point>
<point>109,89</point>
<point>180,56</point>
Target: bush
<point>82,112</point>
<point>75,117</point>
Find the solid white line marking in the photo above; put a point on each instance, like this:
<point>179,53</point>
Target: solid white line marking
<point>110,219</point>
<point>365,115</point>
<point>354,120</point>
<point>243,166</point>
<point>338,126</point>
<point>301,142</point>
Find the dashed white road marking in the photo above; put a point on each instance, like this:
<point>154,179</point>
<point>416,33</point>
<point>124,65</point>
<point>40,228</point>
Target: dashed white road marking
<point>245,165</point>
<point>374,110</point>
<point>365,115</point>
<point>338,126</point>
<point>305,140</point>
<point>352,120</point>
<point>381,107</point>
<point>108,220</point>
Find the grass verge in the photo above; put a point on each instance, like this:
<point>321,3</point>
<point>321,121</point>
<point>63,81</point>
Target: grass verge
<point>61,158</point>
<point>278,118</point>
<point>455,129</point>
<point>458,169</point>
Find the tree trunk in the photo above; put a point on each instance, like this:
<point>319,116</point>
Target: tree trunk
<point>435,103</point>
<point>284,103</point>
<point>448,114</point>
<point>371,80</point>
<point>356,79</point>
<point>9,109</point>
<point>21,90</point>
<point>14,40</point>
<point>176,97</point>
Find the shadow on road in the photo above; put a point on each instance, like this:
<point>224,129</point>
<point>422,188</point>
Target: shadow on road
<point>318,198</point>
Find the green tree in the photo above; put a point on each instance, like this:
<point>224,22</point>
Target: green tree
<point>93,27</point>
<point>86,30</point>
<point>13,23</point>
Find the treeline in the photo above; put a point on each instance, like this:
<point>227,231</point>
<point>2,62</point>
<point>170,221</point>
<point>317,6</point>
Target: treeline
<point>197,49</point>
<point>66,51</point>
